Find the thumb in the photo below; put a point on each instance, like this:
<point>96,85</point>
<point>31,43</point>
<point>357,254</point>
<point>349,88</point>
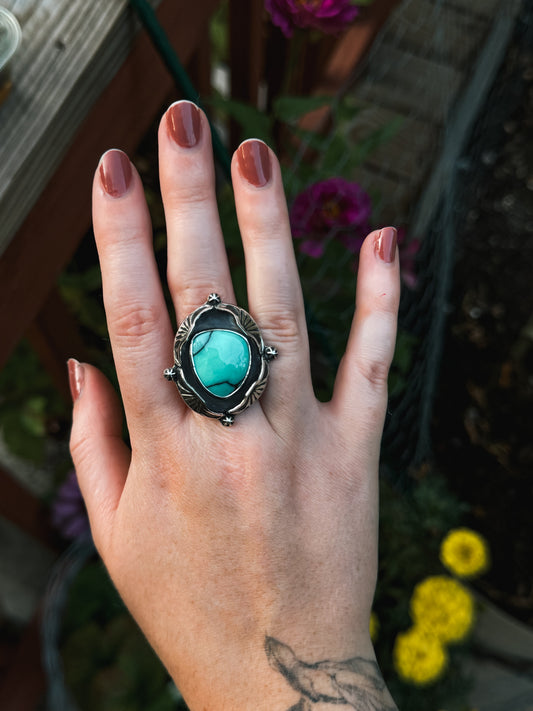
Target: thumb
<point>100,456</point>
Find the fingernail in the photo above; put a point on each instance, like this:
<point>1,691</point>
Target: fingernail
<point>184,123</point>
<point>115,173</point>
<point>386,244</point>
<point>76,378</point>
<point>254,162</point>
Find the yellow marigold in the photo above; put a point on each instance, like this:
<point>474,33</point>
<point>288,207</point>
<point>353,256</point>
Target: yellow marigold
<point>374,626</point>
<point>465,553</point>
<point>419,657</point>
<point>443,608</point>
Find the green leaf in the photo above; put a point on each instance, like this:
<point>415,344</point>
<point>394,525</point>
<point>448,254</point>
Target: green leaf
<point>163,702</point>
<point>33,416</point>
<point>254,123</point>
<point>89,280</point>
<point>291,108</point>
<point>374,140</point>
<point>347,109</point>
<point>336,157</point>
<point>20,440</point>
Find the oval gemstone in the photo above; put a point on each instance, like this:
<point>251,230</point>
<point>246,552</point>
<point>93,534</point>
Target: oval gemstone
<point>221,360</point>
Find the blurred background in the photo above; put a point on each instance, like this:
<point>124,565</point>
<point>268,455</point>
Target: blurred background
<point>416,113</point>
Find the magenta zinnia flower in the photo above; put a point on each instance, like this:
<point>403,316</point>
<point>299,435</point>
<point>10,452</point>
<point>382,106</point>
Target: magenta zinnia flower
<point>329,16</point>
<point>332,208</point>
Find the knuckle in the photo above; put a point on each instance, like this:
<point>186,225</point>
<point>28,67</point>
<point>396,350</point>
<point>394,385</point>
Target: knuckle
<point>191,194</point>
<point>191,289</point>
<point>80,447</point>
<point>386,302</point>
<point>123,232</point>
<point>282,325</point>
<point>262,228</point>
<point>375,370</point>
<point>131,323</point>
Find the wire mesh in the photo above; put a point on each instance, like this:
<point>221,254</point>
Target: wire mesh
<point>430,71</point>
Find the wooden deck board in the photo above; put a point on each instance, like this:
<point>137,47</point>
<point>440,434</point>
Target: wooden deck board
<point>410,85</point>
<point>391,197</point>
<point>482,8</point>
<point>124,110</point>
<point>441,33</point>
<point>408,152</point>
<point>70,51</point>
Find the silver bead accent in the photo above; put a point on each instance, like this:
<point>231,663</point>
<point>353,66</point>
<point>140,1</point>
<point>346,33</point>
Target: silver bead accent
<point>213,299</point>
<point>227,420</point>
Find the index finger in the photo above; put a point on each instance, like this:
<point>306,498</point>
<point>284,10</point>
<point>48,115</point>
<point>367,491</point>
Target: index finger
<point>137,317</point>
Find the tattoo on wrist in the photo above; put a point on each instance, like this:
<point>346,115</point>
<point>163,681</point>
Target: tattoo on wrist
<point>356,683</point>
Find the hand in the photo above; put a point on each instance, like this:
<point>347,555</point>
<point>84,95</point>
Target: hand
<point>244,553</point>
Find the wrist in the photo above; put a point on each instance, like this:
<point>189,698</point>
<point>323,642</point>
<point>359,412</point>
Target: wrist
<point>283,678</point>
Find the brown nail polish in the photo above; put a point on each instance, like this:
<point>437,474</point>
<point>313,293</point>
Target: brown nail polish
<point>386,244</point>
<point>254,162</point>
<point>115,173</point>
<point>184,123</point>
<point>76,378</point>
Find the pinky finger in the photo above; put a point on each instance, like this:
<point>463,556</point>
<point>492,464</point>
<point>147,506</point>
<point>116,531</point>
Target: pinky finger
<point>100,456</point>
<point>360,395</point>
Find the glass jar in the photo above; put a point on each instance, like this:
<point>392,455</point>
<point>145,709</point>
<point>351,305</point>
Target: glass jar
<point>10,36</point>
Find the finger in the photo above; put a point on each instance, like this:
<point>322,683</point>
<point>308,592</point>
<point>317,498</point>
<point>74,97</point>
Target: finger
<point>100,457</point>
<point>274,291</point>
<point>360,393</point>
<point>197,262</point>
<point>138,322</point>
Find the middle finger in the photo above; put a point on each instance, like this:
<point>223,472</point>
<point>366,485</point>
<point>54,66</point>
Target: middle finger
<point>197,262</point>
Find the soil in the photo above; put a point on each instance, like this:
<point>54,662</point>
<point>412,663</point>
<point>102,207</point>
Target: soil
<point>483,424</point>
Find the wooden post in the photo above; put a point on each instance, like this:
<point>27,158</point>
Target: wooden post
<point>246,49</point>
<point>55,337</point>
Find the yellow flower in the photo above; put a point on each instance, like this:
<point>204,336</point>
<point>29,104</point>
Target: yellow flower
<point>443,607</point>
<point>419,657</point>
<point>465,553</point>
<point>374,626</point>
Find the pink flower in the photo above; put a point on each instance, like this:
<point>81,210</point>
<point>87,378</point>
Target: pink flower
<point>330,208</point>
<point>329,16</point>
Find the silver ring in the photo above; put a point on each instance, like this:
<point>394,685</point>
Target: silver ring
<point>220,361</point>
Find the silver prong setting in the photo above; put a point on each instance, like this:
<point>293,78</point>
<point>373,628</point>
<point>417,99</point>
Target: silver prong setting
<point>270,353</point>
<point>213,299</point>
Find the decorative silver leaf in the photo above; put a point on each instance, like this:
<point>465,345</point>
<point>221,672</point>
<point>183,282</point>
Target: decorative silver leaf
<point>191,399</point>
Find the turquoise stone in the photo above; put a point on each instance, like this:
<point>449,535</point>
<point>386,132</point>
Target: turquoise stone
<point>221,360</point>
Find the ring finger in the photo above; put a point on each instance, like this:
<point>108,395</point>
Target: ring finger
<point>274,291</point>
